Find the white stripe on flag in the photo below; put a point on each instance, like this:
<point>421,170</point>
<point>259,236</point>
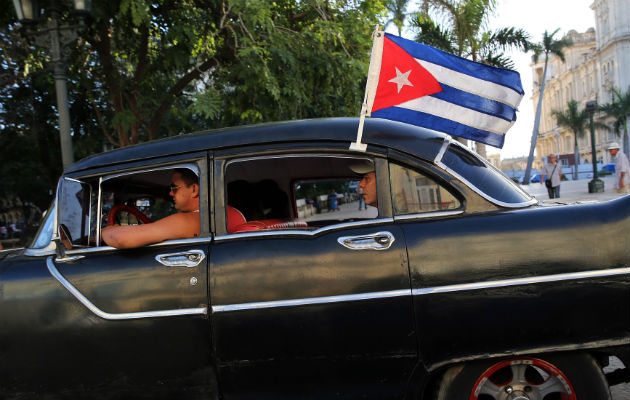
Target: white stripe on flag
<point>467,83</point>
<point>463,115</point>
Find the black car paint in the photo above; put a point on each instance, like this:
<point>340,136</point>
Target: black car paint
<point>378,348</point>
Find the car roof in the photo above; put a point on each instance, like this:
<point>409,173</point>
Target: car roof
<point>420,142</point>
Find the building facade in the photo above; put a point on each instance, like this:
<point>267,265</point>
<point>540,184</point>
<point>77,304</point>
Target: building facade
<point>598,61</point>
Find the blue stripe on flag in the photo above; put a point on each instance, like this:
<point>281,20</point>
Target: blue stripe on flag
<point>440,124</point>
<point>504,77</point>
<point>476,103</point>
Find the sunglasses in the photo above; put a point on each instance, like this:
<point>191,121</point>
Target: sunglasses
<point>174,188</point>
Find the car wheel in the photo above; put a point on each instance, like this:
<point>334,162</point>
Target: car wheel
<point>565,377</point>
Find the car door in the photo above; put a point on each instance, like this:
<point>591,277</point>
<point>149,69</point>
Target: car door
<point>315,313</point>
<point>133,321</point>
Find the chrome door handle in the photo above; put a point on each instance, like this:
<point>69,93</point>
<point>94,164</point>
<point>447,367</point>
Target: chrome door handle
<point>375,241</point>
<point>187,259</point>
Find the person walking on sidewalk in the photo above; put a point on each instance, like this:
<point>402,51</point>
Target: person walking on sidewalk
<point>622,169</point>
<point>552,171</point>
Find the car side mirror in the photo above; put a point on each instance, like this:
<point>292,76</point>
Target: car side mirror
<point>65,237</point>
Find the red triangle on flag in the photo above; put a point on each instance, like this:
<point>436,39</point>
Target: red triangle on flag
<point>401,78</point>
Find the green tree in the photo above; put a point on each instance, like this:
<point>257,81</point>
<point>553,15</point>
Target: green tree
<point>619,110</point>
<point>398,12</point>
<point>465,32</point>
<point>577,121</point>
<point>549,46</point>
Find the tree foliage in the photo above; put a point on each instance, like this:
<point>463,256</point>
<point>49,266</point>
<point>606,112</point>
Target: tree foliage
<point>147,69</point>
<point>460,27</point>
<point>619,110</point>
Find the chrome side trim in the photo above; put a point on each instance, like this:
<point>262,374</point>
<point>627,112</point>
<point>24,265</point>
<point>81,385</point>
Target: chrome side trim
<point>117,316</point>
<point>295,232</point>
<point>521,281</point>
<point>174,242</point>
<point>312,300</point>
<point>416,292</point>
<point>433,214</point>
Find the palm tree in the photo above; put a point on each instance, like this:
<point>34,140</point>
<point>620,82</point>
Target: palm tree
<point>619,109</point>
<point>398,10</point>
<point>548,46</point>
<point>577,121</point>
<point>465,34</point>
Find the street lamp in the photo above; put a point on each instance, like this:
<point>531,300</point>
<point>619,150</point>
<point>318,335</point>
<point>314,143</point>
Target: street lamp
<point>55,36</point>
<point>596,185</point>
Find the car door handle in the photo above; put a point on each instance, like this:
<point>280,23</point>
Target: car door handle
<point>375,241</point>
<point>188,259</point>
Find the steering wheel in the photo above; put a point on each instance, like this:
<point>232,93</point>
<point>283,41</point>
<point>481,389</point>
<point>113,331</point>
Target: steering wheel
<point>111,217</point>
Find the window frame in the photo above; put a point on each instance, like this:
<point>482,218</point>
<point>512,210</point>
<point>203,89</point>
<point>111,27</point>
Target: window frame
<point>438,161</point>
<point>383,191</point>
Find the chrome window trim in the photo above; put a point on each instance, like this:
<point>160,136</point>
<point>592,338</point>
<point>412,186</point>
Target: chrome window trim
<point>297,155</point>
<point>439,163</point>
<point>191,166</point>
<point>431,214</point>
<point>418,292</point>
<point>311,301</point>
<point>117,316</point>
<point>521,281</point>
<point>295,232</point>
<point>99,210</point>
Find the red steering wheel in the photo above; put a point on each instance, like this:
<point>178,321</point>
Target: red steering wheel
<point>111,218</point>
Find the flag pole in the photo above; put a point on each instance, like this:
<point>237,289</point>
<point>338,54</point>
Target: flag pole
<point>370,86</point>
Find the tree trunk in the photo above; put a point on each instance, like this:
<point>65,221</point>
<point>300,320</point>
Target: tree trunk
<point>576,160</point>
<point>530,159</point>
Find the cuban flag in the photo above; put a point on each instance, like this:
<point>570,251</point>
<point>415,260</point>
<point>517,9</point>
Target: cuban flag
<point>421,85</point>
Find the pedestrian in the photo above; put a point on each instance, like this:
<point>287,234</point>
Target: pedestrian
<point>333,203</point>
<point>553,172</point>
<point>622,169</point>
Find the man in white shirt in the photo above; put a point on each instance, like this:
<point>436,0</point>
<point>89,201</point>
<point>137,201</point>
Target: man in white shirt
<point>552,172</point>
<point>622,169</point>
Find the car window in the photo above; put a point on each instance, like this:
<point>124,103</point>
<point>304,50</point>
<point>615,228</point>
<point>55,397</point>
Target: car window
<point>76,208</point>
<point>139,197</point>
<point>482,176</point>
<point>295,192</point>
<point>45,232</point>
<point>414,192</point>
<point>87,206</point>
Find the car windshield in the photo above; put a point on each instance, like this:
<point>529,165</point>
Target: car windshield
<point>484,178</point>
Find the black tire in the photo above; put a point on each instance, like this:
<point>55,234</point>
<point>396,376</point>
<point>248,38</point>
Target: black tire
<point>580,370</point>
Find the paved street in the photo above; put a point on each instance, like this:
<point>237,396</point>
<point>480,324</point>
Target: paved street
<point>571,191</point>
<point>574,190</point>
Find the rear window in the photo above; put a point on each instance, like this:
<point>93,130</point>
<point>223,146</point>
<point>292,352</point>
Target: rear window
<point>485,178</point>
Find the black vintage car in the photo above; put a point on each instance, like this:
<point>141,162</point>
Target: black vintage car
<point>455,284</point>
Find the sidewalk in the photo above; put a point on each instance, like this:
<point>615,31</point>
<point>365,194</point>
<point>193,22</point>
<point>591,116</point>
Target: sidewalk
<point>572,191</point>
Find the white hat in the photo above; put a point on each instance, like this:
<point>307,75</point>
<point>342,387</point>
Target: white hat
<point>362,167</point>
<point>613,145</point>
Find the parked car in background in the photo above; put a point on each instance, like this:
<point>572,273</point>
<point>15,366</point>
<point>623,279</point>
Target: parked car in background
<point>432,292</point>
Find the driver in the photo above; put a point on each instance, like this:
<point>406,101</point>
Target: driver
<point>181,225</point>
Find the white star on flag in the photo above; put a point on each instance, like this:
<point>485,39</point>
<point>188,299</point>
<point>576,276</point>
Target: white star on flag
<point>401,79</point>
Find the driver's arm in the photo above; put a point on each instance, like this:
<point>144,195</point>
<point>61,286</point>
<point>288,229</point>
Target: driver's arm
<point>176,226</point>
